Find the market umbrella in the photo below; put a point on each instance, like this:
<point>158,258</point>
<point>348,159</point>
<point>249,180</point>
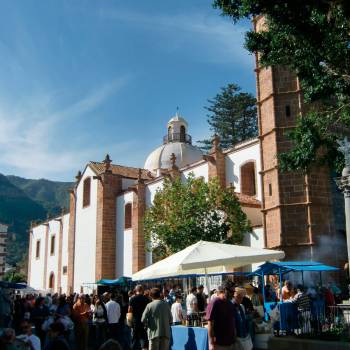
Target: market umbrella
<point>205,258</point>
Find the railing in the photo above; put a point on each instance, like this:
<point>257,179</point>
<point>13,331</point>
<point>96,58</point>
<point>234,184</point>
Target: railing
<point>326,323</point>
<point>177,137</point>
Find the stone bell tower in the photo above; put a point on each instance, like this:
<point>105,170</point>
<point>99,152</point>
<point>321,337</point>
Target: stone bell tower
<point>297,208</point>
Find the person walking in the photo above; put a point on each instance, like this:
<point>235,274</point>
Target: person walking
<point>31,340</point>
<point>157,318</point>
<point>82,314</point>
<point>176,310</point>
<point>113,316</point>
<point>38,315</point>
<point>57,339</point>
<point>244,340</point>
<point>192,306</point>
<point>100,321</point>
<point>201,299</point>
<point>137,305</point>
<point>221,320</point>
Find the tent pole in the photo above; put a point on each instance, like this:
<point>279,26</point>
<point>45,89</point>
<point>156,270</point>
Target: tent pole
<point>321,278</point>
<point>263,293</point>
<point>207,280</point>
<point>280,276</point>
<point>302,277</point>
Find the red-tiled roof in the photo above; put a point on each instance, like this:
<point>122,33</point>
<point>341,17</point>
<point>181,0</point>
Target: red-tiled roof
<point>246,200</point>
<point>121,170</point>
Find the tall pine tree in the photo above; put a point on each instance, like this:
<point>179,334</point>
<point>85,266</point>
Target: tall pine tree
<point>232,115</point>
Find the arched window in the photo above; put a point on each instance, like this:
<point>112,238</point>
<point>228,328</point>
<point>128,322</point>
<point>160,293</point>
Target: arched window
<point>182,133</point>
<point>86,192</point>
<point>128,216</point>
<point>52,280</point>
<point>248,179</point>
<point>52,245</point>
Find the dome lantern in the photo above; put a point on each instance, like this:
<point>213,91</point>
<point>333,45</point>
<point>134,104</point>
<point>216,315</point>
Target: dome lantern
<point>177,143</point>
<point>177,130</point>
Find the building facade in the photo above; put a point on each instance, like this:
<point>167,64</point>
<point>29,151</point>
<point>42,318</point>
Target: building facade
<point>102,234</point>
<point>299,209</point>
<point>3,243</point>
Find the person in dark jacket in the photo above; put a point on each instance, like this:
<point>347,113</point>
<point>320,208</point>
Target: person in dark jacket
<point>38,315</point>
<point>57,340</point>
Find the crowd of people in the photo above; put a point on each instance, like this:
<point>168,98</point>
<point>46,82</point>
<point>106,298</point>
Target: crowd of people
<point>141,319</point>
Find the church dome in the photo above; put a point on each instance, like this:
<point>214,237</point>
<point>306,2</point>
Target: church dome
<point>177,141</point>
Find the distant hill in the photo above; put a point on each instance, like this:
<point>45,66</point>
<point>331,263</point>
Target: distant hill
<point>23,200</point>
<point>52,195</point>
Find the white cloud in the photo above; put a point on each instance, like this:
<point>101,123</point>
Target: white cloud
<point>207,38</point>
<point>26,132</point>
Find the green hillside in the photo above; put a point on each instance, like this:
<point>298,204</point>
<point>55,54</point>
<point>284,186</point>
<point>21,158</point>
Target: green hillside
<point>22,201</point>
<point>52,195</point>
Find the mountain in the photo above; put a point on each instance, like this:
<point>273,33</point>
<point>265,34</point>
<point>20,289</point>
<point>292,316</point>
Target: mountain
<point>24,200</point>
<point>52,195</point>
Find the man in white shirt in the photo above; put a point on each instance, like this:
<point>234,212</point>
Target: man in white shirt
<point>192,306</point>
<point>113,316</point>
<point>28,337</point>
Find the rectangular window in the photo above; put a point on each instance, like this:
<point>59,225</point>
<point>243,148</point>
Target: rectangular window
<point>52,245</point>
<point>86,192</point>
<point>287,111</point>
<point>64,270</point>
<point>128,216</point>
<point>270,190</point>
<point>37,249</point>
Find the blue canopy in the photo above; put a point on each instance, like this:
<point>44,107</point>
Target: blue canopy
<point>12,285</point>
<point>116,282</point>
<point>274,268</point>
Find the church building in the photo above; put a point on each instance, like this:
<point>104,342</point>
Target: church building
<point>102,234</point>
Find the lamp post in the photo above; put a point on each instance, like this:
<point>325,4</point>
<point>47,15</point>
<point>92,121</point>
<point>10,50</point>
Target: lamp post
<point>343,184</point>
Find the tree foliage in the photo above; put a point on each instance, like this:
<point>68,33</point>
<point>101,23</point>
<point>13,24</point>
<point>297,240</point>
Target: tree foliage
<point>232,116</point>
<point>311,38</point>
<point>14,277</point>
<point>185,212</point>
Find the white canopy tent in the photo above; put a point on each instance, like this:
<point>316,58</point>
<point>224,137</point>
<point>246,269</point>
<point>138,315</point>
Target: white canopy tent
<point>205,258</point>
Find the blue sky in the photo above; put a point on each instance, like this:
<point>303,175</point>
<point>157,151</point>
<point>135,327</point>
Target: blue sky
<point>83,78</point>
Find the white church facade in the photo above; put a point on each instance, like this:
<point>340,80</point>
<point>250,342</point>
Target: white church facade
<point>101,236</point>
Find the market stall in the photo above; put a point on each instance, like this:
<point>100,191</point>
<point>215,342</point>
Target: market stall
<point>202,258</point>
<point>288,313</point>
<point>205,258</point>
<point>121,283</point>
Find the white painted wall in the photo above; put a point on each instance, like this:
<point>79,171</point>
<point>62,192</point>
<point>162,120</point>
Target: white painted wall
<point>85,235</point>
<point>151,190</point>
<point>64,277</point>
<point>126,183</point>
<point>52,259</point>
<point>124,239</point>
<point>198,171</point>
<point>37,265</point>
<point>236,159</point>
<point>255,239</point>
